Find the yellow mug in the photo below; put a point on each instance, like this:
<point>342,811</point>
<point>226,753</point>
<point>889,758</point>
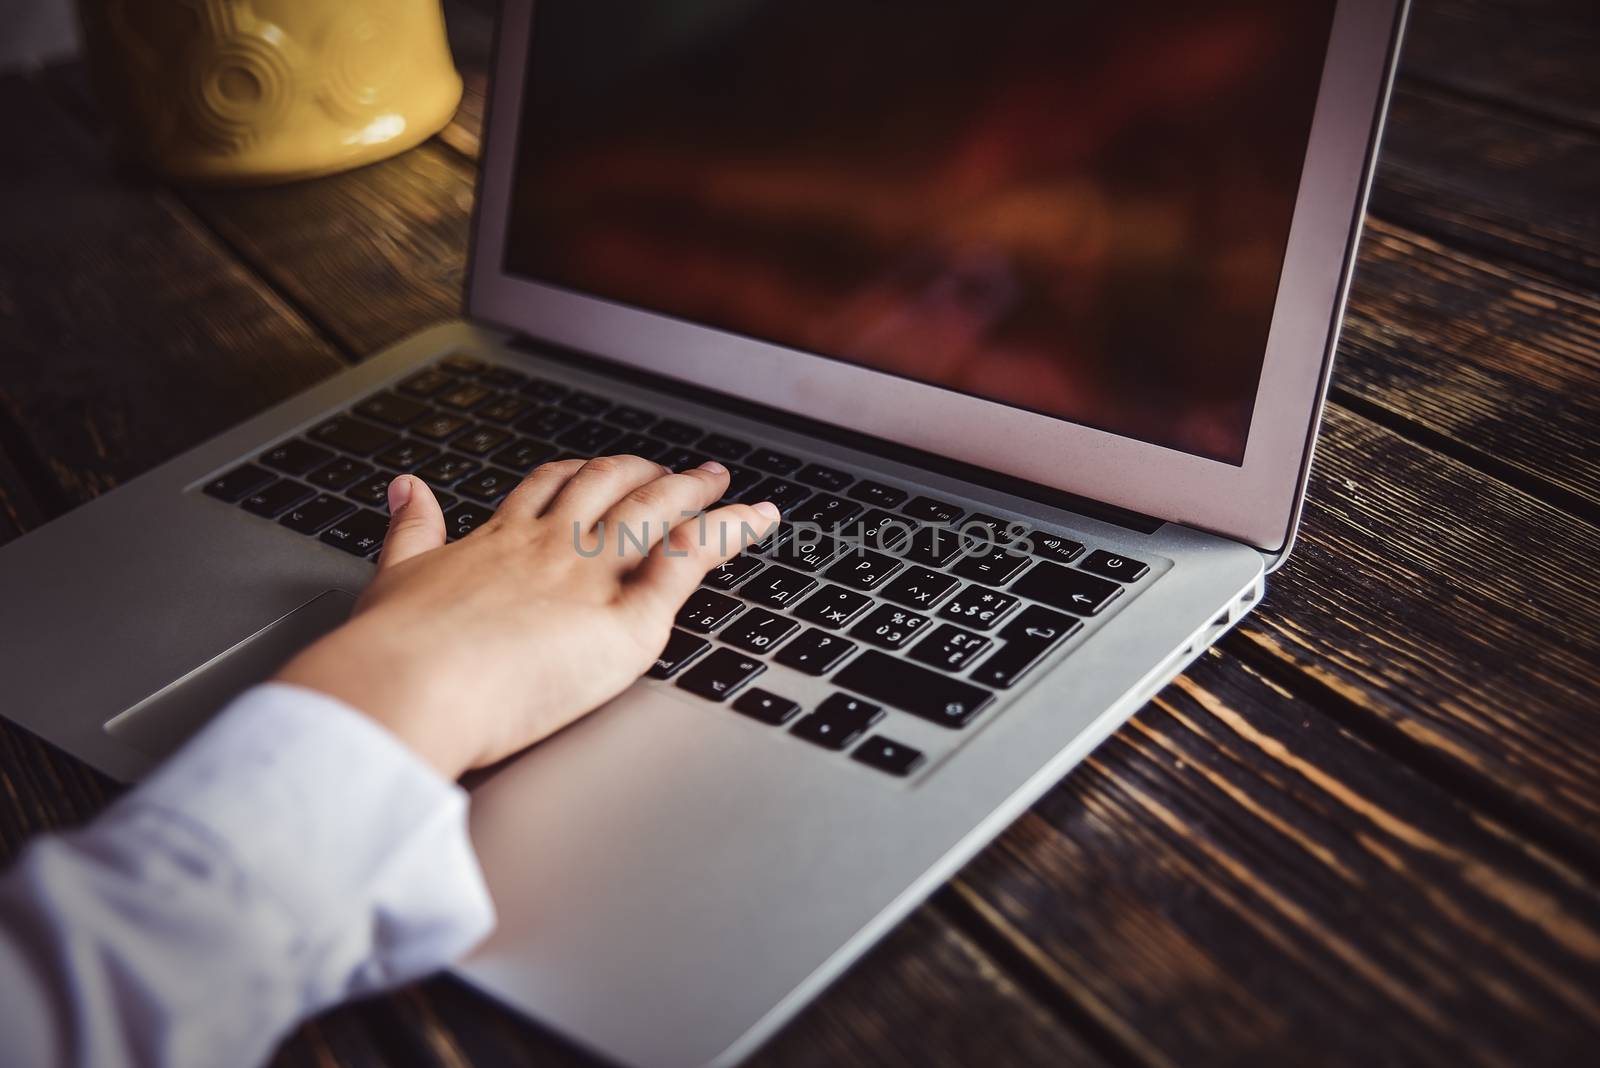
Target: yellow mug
<point>270,90</point>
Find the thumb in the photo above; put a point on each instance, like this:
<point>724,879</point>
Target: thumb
<point>416,523</point>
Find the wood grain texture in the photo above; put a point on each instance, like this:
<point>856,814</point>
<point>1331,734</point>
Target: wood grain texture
<point>1236,872</point>
<point>1457,610</point>
<point>1534,55</point>
<point>105,375</point>
<point>1501,364</point>
<point>1508,185</point>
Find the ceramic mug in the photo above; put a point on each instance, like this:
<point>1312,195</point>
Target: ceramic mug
<point>270,90</point>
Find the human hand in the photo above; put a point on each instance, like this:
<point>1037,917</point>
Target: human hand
<point>472,651</point>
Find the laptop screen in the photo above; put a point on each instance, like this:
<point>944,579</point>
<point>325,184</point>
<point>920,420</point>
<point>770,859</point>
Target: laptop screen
<point>1076,209</point>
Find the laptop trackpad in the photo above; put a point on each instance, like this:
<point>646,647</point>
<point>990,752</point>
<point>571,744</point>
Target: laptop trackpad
<point>165,720</point>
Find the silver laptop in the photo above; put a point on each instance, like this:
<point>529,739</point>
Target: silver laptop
<point>1023,313</point>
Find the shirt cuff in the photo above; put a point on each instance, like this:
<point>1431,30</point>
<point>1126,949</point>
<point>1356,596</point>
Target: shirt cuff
<point>363,845</point>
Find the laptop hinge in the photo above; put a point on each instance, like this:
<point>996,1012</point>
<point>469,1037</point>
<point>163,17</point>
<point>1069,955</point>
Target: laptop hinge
<point>847,436</point>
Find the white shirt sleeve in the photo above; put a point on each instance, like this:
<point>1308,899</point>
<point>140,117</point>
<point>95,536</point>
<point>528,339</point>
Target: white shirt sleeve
<point>292,855</point>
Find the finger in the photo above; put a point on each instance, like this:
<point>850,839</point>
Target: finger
<point>643,517</point>
<point>534,494</point>
<point>598,485</point>
<point>416,523</point>
<point>676,565</point>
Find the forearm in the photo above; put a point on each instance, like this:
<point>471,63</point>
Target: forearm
<point>293,855</point>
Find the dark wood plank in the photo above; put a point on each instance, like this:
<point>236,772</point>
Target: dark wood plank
<point>1510,186</point>
<point>1500,365</point>
<point>100,366</point>
<point>1537,55</point>
<point>1459,612</point>
<point>19,511</point>
<point>1235,872</point>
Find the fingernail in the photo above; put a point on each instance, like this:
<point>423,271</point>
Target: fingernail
<point>768,509</point>
<point>714,467</point>
<point>399,493</point>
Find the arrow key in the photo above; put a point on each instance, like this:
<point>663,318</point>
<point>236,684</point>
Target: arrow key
<point>1066,588</point>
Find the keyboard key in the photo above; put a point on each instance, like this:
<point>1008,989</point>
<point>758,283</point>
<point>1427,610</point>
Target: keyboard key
<point>506,408</point>
<point>360,534</point>
<point>547,422</point>
<point>978,607</point>
<point>877,529</point>
<point>372,491</point>
<point>1040,625</point>
<point>825,512</point>
<point>877,494</point>
<point>446,470</point>
<point>1054,547</point>
<point>729,573</point>
<point>238,483</point>
<point>1028,639</point>
<point>932,511</point>
<point>296,457</point>
<point>463,364</point>
<point>589,438</point>
<point>544,391</point>
<point>863,569</point>
<point>815,652</point>
<point>406,456</point>
<point>1112,566</point>
<point>827,478</point>
<point>675,433</point>
<point>504,377</point>
<point>481,440</point>
<point>721,674</point>
<point>440,426</point>
<point>950,648</point>
<point>932,546</point>
<point>488,486</point>
<point>741,480</point>
<point>523,455</point>
<point>463,519</point>
<point>314,515</point>
<point>888,755</point>
<point>706,610</point>
<point>919,588</point>
<point>933,695</point>
<point>352,435</point>
<point>427,383</point>
<point>633,444</point>
<point>994,567</point>
<point>338,474</point>
<point>781,492</point>
<point>777,587</point>
<point>991,531</point>
<point>678,458</point>
<point>759,631</point>
<point>722,446</point>
<point>832,606</point>
<point>681,649</point>
<point>889,627</point>
<point>464,397</point>
<point>585,403</point>
<point>778,463</point>
<point>766,707</point>
<point>806,550</point>
<point>838,721</point>
<point>630,418</point>
<point>1066,588</point>
<point>274,500</point>
<point>391,409</point>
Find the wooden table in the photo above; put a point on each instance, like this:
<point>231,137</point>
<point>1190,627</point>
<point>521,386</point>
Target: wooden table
<point>1366,829</point>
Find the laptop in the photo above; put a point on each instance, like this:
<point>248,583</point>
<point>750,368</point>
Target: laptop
<point>1023,313</point>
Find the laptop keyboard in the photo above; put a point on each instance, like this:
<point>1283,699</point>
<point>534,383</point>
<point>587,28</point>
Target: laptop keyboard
<point>903,602</point>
